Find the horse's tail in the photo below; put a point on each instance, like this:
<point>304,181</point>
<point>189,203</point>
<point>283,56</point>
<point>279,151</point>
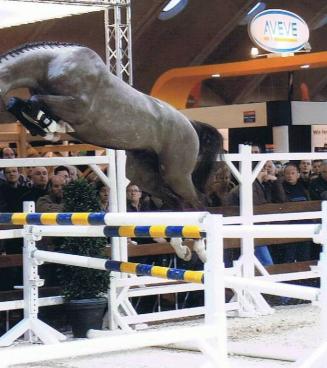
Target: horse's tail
<point>211,144</point>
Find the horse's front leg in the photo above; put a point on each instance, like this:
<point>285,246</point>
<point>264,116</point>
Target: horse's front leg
<point>67,108</point>
<point>182,251</point>
<point>5,116</point>
<point>200,249</point>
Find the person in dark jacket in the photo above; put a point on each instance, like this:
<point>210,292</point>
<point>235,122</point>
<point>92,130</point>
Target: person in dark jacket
<point>318,186</point>
<point>38,189</point>
<point>266,189</point>
<point>295,191</point>
<point>219,185</point>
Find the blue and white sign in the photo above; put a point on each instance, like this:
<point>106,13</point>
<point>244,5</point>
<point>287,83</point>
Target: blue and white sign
<point>279,31</point>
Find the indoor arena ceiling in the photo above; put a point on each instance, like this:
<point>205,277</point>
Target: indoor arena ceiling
<point>205,32</point>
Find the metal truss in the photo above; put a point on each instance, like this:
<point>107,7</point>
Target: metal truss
<point>117,32</point>
<point>78,2</point>
<point>118,40</point>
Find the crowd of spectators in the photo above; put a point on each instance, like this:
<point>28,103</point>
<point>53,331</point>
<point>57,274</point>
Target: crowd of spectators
<point>42,185</point>
<point>277,182</point>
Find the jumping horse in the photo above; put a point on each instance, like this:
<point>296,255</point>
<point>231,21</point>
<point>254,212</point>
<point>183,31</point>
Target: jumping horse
<point>168,155</point>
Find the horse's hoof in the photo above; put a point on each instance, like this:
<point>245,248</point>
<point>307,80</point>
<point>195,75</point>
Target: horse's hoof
<point>202,256</point>
<point>200,250</point>
<point>187,254</point>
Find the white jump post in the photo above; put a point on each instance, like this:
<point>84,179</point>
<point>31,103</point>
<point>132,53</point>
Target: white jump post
<point>32,327</point>
<point>252,303</point>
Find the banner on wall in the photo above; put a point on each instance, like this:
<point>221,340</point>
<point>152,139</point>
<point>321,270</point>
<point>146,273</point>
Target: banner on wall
<point>319,138</point>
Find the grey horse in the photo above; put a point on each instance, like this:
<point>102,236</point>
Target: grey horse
<point>167,155</point>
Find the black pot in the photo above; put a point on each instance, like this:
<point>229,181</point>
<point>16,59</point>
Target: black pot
<point>85,314</point>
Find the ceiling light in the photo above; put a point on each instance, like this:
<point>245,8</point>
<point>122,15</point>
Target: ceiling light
<point>215,75</point>
<point>172,8</point>
<point>258,7</point>
<point>305,66</point>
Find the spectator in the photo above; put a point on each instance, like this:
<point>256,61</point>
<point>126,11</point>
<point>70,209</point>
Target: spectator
<point>262,193</point>
<point>271,168</point>
<point>219,185</point>
<point>7,152</point>
<point>15,179</point>
<point>103,196</point>
<point>134,199</point>
<point>318,186</point>
<point>305,172</point>
<point>255,147</point>
<point>136,204</point>
<point>316,164</point>
<point>217,188</point>
<point>12,176</point>
<point>53,202</point>
<point>295,191</point>
<point>73,172</point>
<point>279,169</point>
<point>14,187</point>
<point>40,178</point>
<point>64,172</point>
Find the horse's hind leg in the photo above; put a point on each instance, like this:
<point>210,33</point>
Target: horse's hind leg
<point>142,169</point>
<point>177,166</point>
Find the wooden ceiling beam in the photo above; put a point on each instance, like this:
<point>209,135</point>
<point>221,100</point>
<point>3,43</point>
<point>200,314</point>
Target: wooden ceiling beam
<point>222,33</point>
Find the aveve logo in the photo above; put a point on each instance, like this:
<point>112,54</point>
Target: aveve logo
<point>278,31</point>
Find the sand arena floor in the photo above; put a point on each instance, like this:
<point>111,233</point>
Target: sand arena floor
<point>291,331</point>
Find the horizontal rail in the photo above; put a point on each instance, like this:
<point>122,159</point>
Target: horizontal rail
<point>272,231</point>
<point>101,218</point>
<point>125,267</point>
<point>54,161</point>
<point>232,282</point>
<point>11,234</point>
<point>105,344</point>
<point>278,156</point>
<point>42,302</point>
<point>272,288</point>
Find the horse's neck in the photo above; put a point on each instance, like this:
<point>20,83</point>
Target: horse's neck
<point>22,70</point>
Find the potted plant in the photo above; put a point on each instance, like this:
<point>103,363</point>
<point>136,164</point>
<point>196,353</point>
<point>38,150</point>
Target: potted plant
<point>83,288</point>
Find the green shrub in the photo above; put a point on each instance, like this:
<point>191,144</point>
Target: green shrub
<point>80,282</point>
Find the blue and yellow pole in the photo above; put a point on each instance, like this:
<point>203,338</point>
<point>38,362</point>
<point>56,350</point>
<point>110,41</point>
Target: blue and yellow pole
<point>156,271</point>
<point>98,218</point>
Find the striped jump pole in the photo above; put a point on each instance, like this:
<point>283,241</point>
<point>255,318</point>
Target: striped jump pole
<point>102,218</point>
<point>139,269</point>
<point>177,274</point>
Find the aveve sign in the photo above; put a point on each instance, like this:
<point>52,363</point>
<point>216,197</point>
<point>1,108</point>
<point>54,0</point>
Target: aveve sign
<point>278,31</point>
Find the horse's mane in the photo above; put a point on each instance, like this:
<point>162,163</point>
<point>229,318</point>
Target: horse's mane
<point>35,45</point>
